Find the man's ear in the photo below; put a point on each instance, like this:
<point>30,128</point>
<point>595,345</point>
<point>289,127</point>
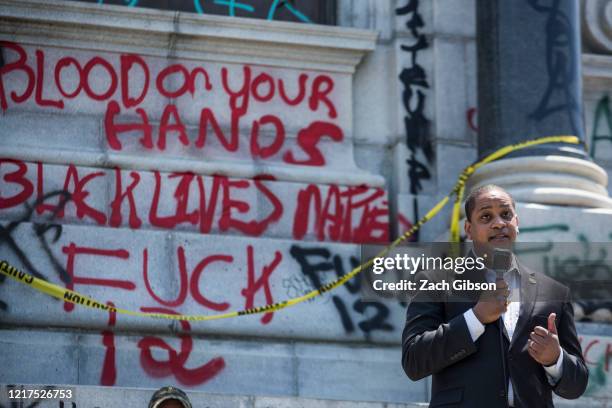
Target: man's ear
<point>467,227</point>
<point>517,224</point>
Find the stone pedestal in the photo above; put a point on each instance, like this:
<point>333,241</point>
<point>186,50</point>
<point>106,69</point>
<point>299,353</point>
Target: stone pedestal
<point>552,180</point>
<point>530,86</point>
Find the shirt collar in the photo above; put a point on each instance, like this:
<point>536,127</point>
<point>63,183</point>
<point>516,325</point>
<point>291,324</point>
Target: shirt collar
<point>514,265</point>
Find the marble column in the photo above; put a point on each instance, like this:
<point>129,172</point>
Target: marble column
<point>530,86</point>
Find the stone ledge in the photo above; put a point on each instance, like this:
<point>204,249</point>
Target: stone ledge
<point>185,35</point>
<point>293,371</point>
<point>596,70</point>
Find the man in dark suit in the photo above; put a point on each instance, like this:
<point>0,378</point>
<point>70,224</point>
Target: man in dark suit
<point>499,351</point>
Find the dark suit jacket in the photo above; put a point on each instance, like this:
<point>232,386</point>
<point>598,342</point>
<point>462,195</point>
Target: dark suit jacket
<point>436,341</point>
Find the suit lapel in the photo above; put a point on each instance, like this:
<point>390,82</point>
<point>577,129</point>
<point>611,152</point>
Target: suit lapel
<point>529,294</point>
<point>500,321</point>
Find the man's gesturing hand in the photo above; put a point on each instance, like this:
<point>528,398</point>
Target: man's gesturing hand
<point>543,345</point>
<point>492,304</point>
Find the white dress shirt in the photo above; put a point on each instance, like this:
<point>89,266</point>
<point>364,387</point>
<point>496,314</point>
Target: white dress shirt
<point>510,317</point>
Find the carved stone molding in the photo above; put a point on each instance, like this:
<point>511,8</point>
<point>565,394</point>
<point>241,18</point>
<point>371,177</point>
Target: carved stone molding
<point>550,180</point>
<point>597,26</point>
<point>185,35</point>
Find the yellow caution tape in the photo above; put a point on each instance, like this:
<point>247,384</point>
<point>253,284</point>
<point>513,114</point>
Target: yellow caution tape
<point>459,188</point>
<point>458,191</point>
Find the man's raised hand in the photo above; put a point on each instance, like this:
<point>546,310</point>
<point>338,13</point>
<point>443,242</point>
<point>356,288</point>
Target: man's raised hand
<point>543,344</point>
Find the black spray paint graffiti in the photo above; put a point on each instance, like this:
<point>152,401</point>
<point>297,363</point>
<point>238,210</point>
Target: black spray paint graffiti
<point>602,113</point>
<point>417,126</point>
<point>561,64</point>
<point>586,273</point>
<point>40,229</point>
<point>316,260</point>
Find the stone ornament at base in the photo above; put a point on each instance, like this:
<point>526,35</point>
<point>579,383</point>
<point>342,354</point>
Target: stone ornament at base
<point>596,23</point>
<point>549,180</point>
